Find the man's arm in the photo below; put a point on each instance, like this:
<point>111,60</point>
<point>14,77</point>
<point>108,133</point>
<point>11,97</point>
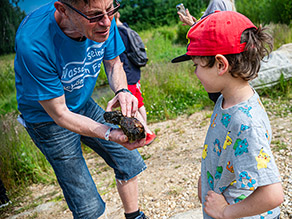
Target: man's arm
<point>83,125</point>
<point>118,80</point>
<point>263,199</point>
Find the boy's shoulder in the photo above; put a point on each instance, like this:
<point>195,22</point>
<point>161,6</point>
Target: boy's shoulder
<point>250,112</point>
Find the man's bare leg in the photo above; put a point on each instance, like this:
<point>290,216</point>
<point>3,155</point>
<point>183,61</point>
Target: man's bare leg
<point>128,191</point>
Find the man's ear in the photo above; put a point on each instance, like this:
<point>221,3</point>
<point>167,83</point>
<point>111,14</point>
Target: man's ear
<point>222,64</point>
<point>60,8</point>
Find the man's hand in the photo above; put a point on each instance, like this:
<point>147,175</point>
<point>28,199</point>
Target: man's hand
<point>118,136</point>
<point>187,19</point>
<point>215,205</point>
<point>127,102</point>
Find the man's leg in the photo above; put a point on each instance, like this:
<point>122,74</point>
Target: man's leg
<point>142,111</point>
<point>126,164</point>
<point>128,191</point>
<point>62,149</point>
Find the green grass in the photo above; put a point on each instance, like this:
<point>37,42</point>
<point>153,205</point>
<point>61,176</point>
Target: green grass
<point>21,161</point>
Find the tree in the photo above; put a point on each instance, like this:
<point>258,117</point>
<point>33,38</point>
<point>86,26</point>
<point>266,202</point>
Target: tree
<point>10,18</point>
<point>144,14</point>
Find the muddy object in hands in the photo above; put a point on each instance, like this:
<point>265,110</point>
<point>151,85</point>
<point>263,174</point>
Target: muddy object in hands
<point>131,127</point>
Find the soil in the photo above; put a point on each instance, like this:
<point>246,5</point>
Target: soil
<point>168,186</point>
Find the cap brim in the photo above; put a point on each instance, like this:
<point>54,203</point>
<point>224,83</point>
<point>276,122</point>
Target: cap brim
<point>182,58</point>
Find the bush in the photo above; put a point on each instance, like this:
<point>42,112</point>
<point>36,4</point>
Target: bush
<point>144,15</point>
<point>266,11</point>
<point>181,35</point>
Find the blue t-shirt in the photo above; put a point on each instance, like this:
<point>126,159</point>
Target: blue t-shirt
<point>49,64</point>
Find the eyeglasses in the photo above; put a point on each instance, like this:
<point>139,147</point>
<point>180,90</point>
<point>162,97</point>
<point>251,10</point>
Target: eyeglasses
<point>98,17</point>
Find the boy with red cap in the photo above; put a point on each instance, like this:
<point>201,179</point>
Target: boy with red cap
<point>239,177</point>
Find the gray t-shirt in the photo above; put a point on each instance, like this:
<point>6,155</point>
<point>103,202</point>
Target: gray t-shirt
<point>237,157</point>
<point>218,5</point>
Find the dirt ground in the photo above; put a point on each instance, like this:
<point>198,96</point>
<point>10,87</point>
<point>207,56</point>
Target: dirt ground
<point>169,185</point>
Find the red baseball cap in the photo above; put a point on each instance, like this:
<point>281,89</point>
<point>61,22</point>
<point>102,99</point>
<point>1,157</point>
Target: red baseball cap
<point>218,33</point>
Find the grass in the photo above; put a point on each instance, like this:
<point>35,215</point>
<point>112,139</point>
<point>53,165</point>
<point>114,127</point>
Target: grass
<point>169,90</point>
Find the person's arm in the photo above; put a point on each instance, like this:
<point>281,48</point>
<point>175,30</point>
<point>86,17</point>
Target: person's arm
<point>117,80</point>
<point>263,199</point>
<point>200,189</point>
<point>83,125</point>
<point>187,19</point>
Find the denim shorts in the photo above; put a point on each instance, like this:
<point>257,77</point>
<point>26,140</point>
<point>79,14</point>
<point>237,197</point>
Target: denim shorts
<point>62,149</point>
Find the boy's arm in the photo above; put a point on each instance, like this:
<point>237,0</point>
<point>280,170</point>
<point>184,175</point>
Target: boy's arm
<point>263,199</point>
<point>200,189</point>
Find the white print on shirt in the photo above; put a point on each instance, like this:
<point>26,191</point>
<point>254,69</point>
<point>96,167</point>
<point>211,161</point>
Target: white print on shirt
<point>74,73</point>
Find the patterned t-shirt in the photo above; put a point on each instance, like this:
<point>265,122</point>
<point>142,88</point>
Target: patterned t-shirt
<point>237,157</point>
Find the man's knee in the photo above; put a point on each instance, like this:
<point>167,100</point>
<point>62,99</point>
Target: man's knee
<point>91,210</point>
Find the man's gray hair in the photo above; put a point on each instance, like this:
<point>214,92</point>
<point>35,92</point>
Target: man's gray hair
<point>74,2</point>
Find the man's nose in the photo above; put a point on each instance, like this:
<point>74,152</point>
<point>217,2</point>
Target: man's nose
<point>105,21</point>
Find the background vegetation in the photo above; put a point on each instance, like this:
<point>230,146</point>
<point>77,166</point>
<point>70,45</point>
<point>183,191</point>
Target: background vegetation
<point>169,89</point>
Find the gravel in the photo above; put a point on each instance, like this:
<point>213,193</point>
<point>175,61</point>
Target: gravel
<point>168,187</point>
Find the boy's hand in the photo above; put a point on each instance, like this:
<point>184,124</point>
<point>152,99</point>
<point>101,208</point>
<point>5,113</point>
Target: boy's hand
<point>215,205</point>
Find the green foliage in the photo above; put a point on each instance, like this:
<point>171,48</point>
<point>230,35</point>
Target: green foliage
<point>182,34</point>
<point>142,15</point>
<point>170,90</point>
<point>7,90</point>
<point>21,162</point>
<point>279,11</point>
<point>283,89</point>
<point>281,33</point>
<point>10,18</point>
<point>266,11</point>
<point>102,78</point>
<point>159,44</point>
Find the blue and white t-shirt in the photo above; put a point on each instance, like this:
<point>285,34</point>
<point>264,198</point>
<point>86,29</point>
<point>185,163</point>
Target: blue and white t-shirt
<point>49,64</point>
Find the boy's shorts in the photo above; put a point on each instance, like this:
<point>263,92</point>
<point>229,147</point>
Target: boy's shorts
<point>136,91</point>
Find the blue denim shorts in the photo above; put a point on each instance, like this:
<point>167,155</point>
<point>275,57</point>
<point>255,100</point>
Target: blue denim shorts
<point>62,149</point>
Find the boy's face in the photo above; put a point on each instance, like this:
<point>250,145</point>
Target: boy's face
<point>207,76</point>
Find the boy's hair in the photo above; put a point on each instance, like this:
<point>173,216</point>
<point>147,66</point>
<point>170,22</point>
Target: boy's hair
<point>246,64</point>
<point>230,34</point>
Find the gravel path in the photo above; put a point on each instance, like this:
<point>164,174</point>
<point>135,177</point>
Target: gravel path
<point>168,187</point>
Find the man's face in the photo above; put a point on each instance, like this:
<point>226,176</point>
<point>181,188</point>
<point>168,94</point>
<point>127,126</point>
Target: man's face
<point>96,31</point>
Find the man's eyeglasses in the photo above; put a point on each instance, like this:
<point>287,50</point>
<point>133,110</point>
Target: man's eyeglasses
<point>98,17</point>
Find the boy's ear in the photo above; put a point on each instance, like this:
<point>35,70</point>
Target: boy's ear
<point>222,64</point>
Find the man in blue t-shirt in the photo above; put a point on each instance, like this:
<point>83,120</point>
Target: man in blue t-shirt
<point>59,51</point>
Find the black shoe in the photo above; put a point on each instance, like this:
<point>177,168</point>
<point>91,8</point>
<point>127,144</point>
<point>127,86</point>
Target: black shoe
<point>142,216</point>
<point>4,201</point>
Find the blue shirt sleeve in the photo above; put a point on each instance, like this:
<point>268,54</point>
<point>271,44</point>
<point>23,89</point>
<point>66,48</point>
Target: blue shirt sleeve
<point>114,43</point>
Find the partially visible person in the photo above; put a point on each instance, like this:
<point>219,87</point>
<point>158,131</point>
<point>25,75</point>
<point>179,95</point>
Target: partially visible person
<point>60,48</point>
<point>214,5</point>
<point>133,73</point>
<point>4,200</point>
<point>239,177</point>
